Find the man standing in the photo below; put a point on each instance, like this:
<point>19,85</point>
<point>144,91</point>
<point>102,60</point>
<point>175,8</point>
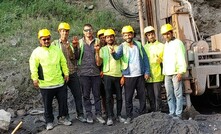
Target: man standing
<point>135,68</point>
<point>112,76</point>
<point>47,63</point>
<point>71,53</point>
<point>154,50</point>
<point>100,35</point>
<point>174,65</point>
<point>89,73</point>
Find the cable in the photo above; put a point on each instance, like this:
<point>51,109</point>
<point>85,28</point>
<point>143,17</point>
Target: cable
<point>117,6</point>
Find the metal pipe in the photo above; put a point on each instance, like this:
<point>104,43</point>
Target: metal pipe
<point>139,3</point>
<point>17,127</point>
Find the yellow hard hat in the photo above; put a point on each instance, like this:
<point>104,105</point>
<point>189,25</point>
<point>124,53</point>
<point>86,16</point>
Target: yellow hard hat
<point>109,32</point>
<point>166,28</point>
<point>43,32</point>
<point>101,31</point>
<point>127,29</point>
<point>64,25</point>
<point>148,29</point>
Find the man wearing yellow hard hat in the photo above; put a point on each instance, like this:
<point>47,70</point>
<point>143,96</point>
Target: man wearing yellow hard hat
<point>71,53</point>
<point>154,50</point>
<point>47,64</point>
<point>112,76</point>
<point>135,69</point>
<point>174,66</point>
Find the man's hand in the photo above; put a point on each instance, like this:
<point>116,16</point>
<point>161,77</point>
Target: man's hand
<point>146,76</point>
<point>101,74</point>
<point>36,84</point>
<point>179,77</point>
<point>75,42</point>
<point>97,48</point>
<point>112,49</point>
<point>66,78</point>
<point>158,60</point>
<point>122,81</point>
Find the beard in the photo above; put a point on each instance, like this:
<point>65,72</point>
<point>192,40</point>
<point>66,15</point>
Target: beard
<point>110,42</point>
<point>129,40</point>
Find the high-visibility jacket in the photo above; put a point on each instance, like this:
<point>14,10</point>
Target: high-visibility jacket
<point>47,64</point>
<point>174,61</point>
<point>113,69</point>
<point>123,53</point>
<point>155,55</point>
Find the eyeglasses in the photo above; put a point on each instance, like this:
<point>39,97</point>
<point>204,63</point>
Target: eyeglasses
<point>48,39</point>
<point>88,30</point>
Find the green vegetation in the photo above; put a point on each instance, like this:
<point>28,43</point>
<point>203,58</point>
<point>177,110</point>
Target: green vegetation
<point>20,21</point>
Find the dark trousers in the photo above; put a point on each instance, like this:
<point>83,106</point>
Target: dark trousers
<point>103,96</point>
<point>154,95</point>
<point>132,83</point>
<point>89,83</point>
<point>74,85</point>
<point>112,84</point>
<point>48,95</point>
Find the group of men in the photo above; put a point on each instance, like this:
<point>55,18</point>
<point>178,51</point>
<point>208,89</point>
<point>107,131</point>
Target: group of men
<point>85,65</point>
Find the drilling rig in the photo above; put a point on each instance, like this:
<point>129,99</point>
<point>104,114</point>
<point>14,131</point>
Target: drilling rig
<point>203,74</point>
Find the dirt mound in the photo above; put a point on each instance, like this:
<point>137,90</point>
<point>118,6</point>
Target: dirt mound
<point>159,123</point>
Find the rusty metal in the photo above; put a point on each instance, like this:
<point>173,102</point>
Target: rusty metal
<point>141,20</point>
<point>150,21</point>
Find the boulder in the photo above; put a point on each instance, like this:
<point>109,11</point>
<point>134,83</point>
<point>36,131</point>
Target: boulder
<point>5,118</point>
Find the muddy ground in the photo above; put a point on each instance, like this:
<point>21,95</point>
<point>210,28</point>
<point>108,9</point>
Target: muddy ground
<point>19,98</point>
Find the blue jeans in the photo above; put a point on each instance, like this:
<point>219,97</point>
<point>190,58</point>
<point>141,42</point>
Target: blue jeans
<point>174,94</point>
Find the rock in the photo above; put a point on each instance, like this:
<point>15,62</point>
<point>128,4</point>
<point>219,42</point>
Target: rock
<point>5,118</point>
<point>85,6</point>
<point>14,42</point>
<point>12,112</point>
<point>36,112</point>
<point>10,94</point>
<point>21,112</point>
<point>91,7</point>
<point>200,1</point>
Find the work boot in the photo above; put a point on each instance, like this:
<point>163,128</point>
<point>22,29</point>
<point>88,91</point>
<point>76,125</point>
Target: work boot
<point>109,121</point>
<point>100,119</point>
<point>49,126</point>
<point>63,120</point>
<point>81,118</point>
